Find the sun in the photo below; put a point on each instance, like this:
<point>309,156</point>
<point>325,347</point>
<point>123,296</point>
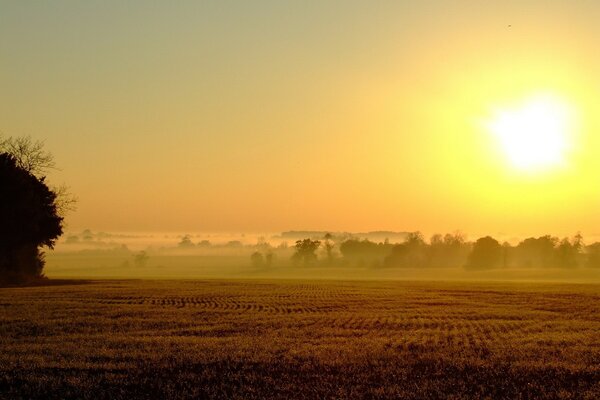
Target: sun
<point>535,134</point>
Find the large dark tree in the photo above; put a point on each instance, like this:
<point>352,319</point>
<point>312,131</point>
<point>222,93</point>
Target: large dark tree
<point>29,220</point>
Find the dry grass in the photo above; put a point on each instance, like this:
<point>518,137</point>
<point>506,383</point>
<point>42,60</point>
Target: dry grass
<point>299,339</point>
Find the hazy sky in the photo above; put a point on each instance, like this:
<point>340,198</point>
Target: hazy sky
<point>273,115</point>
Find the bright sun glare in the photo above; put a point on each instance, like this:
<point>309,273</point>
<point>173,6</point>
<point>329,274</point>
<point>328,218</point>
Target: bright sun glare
<point>535,134</point>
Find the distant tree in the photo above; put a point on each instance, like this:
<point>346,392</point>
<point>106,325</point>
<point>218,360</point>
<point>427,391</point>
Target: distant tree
<point>262,245</point>
<point>204,244</point>
<point>305,252</point>
<point>486,253</point>
<point>269,257</point>
<point>593,255</point>
<point>257,259</point>
<point>411,253</point>
<point>328,246</point>
<point>140,259</point>
<point>536,252</point>
<point>506,253</point>
<point>364,252</point>
<point>73,239</point>
<point>436,251</point>
<point>457,249</point>
<point>436,240</point>
<point>186,242</point>
<point>569,251</point>
<point>29,219</point>
<point>87,235</point>
<point>414,239</point>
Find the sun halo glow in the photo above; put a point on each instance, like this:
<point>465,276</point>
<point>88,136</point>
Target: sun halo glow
<point>535,134</point>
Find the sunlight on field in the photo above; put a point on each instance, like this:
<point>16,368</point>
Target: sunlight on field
<point>257,339</point>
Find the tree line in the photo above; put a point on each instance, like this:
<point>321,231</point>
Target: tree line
<point>441,251</point>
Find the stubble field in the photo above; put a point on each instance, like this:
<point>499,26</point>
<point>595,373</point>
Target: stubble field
<point>299,339</point>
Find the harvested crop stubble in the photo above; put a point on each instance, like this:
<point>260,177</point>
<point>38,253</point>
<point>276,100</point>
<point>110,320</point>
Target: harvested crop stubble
<point>299,339</point>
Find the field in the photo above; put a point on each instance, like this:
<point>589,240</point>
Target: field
<point>259,339</point>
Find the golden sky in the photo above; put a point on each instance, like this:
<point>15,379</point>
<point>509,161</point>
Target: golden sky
<point>349,115</point>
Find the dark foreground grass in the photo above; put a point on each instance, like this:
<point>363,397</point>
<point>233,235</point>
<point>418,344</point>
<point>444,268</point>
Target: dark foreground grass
<point>244,339</point>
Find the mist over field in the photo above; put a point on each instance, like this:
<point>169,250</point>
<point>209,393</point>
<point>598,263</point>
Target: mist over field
<point>345,255</point>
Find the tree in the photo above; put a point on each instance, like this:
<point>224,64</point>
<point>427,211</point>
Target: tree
<point>410,253</point>
<point>140,259</point>
<point>30,155</point>
<point>506,253</point>
<point>568,252</point>
<point>487,253</point>
<point>328,247</point>
<point>536,252</point>
<point>449,250</point>
<point>186,242</point>
<point>204,244</point>
<point>364,252</point>
<point>305,251</point>
<point>263,256</point>
<point>262,245</point>
<point>29,218</point>
<point>593,255</point>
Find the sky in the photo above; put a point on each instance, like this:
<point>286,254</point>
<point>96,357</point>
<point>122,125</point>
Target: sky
<point>331,115</point>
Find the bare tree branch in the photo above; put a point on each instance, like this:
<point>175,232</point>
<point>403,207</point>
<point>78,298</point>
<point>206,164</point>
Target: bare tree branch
<point>65,200</point>
<point>29,154</point>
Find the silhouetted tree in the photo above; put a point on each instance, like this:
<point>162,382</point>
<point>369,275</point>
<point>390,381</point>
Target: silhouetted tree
<point>31,156</point>
<point>28,154</point>
<point>306,251</point>
<point>486,253</point>
<point>29,219</point>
